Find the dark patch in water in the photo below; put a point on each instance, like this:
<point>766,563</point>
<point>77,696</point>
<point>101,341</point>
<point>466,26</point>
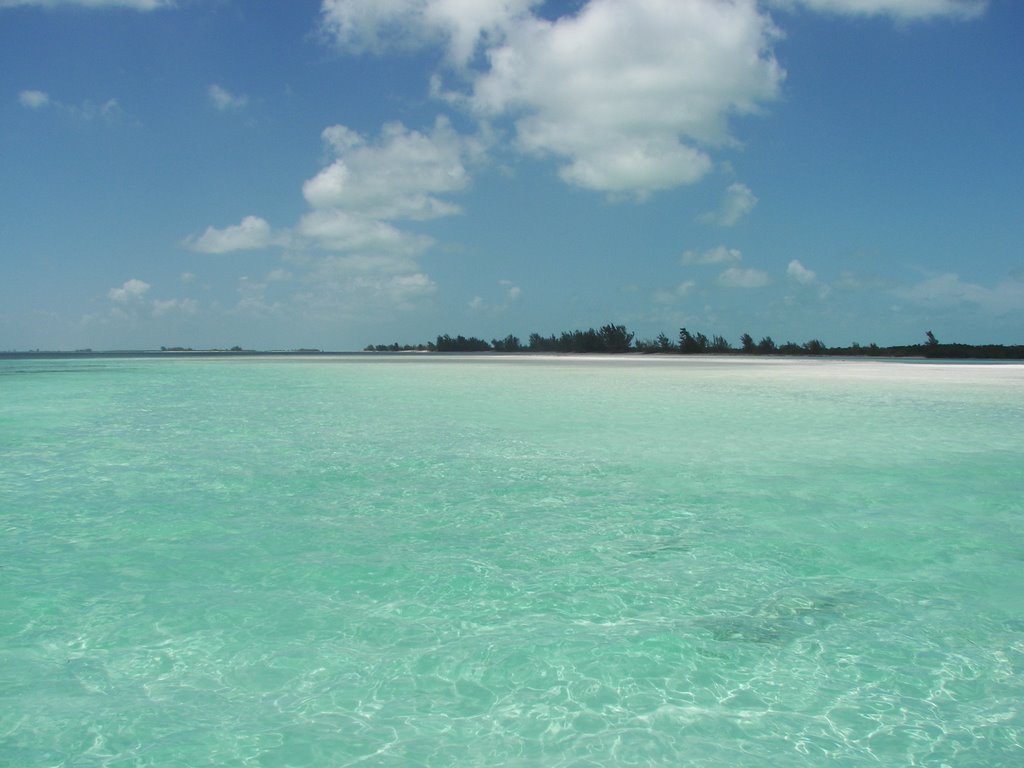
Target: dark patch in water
<point>774,624</point>
<point>663,549</point>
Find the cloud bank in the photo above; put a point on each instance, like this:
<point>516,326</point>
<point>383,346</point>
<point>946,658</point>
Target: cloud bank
<point>627,97</point>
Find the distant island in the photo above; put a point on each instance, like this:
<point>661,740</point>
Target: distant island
<point>608,339</point>
<point>616,339</point>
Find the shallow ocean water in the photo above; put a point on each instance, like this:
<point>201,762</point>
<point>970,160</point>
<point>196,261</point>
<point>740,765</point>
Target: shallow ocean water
<point>430,561</point>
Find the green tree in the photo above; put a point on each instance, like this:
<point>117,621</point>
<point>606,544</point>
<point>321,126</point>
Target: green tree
<point>690,344</point>
<point>509,344</point>
<point>615,338</point>
<point>460,343</point>
<point>720,344</point>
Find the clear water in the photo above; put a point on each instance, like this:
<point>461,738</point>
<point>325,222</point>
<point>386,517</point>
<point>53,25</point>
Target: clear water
<point>580,562</point>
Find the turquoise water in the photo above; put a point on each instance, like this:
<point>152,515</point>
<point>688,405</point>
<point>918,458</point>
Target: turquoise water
<point>420,561</point>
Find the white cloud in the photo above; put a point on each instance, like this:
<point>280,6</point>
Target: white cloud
<point>138,5</point>
<point>370,270</point>
<point>224,100</point>
<point>374,26</point>
<point>338,230</point>
<point>162,307</point>
<point>34,99</point>
<point>948,290</point>
<point>132,290</point>
<point>398,176</point>
<point>513,291</point>
<point>800,273</point>
<point>899,9</point>
<point>718,255</point>
<point>737,203</point>
<point>734,277</point>
<point>627,91</point>
<point>359,287</point>
<point>88,110</point>
<point>252,233</point>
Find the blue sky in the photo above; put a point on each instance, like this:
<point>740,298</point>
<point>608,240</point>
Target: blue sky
<point>333,173</point>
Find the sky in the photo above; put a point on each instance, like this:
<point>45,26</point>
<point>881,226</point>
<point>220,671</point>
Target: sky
<point>336,173</point>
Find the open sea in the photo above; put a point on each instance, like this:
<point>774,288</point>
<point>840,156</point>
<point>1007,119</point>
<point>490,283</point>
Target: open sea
<point>480,561</point>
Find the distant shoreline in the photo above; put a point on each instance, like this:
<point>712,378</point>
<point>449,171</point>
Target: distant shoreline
<point>617,339</point>
<point>835,355</point>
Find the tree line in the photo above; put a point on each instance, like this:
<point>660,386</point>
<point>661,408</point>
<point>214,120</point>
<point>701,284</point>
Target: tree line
<point>614,339</point>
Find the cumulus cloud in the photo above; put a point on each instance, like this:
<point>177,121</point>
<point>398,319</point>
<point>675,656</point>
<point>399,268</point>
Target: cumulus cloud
<point>360,199</point>
<point>251,234</point>
<point>800,273</point>
<point>138,5</point>
<point>898,9</point>
<point>224,100</point>
<point>719,255</point>
<point>628,91</point>
<point>34,99</point>
<point>355,199</point>
<point>948,290</point>
<point>400,175</point>
<point>338,230</point>
<point>737,203</point>
<point>734,277</point>
<point>374,26</point>
<point>354,256</point>
<point>131,291</point>
<point>629,94</point>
